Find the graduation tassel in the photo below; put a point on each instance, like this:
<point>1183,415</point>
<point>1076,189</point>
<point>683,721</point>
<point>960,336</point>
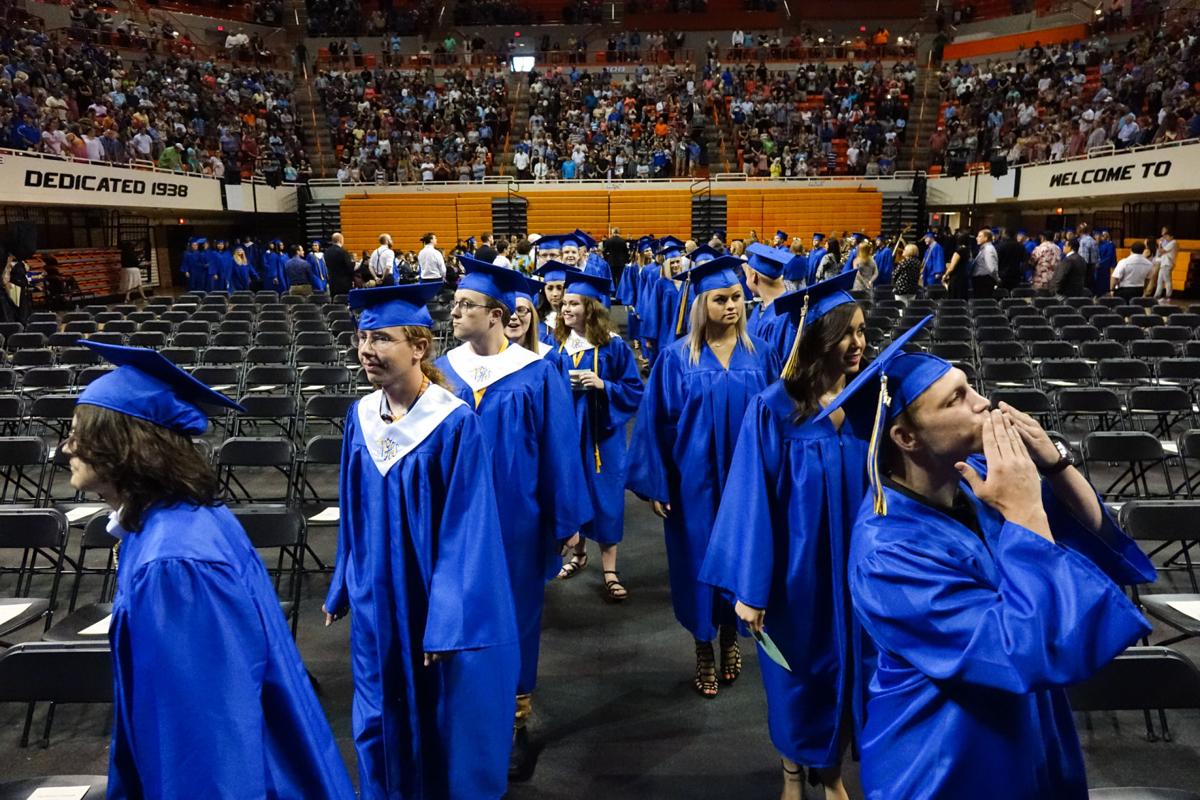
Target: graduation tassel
<point>595,422</point>
<point>873,474</point>
<point>683,296</point>
<point>793,361</point>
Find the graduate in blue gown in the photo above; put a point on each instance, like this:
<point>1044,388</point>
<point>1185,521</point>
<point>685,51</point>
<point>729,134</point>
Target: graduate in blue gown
<point>253,253</point>
<point>884,259</point>
<point>421,568</point>
<point>814,257</point>
<point>852,250</point>
<point>1106,262</point>
<point>988,586</point>
<point>220,268</point>
<point>529,426</point>
<point>606,390</point>
<point>242,275</point>
<point>764,274</point>
<point>195,265</point>
<point>933,263</point>
<point>782,534</point>
<point>554,275</point>
<point>669,306</point>
<point>274,276</point>
<point>683,442</point>
<point>318,273</point>
<point>522,328</point>
<point>210,697</point>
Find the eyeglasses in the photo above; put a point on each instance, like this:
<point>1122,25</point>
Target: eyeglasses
<point>523,312</point>
<point>377,340</point>
<point>465,305</point>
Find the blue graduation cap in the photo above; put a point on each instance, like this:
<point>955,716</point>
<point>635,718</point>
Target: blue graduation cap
<point>671,250</point>
<point>532,288</point>
<point>768,260</point>
<point>573,240</point>
<point>810,304</point>
<point>857,236</point>
<point>219,241</point>
<point>1021,232</point>
<point>713,273</point>
<point>646,243</point>
<point>554,271</point>
<point>392,306</point>
<point>147,386</point>
<point>277,241</point>
<point>584,239</point>
<point>930,235</point>
<point>818,237</point>
<point>497,282</point>
<point>781,235</point>
<point>668,242</point>
<point>596,287</point>
<point>315,243</point>
<point>549,244</point>
<point>703,254</point>
<point>885,388</point>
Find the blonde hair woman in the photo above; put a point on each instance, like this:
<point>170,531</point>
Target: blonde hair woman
<point>697,394</point>
<point>868,270</point>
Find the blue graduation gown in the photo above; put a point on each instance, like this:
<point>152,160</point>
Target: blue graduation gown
<point>220,270</point>
<point>195,268</point>
<point>666,315</point>
<point>529,425</point>
<point>977,639</point>
<point>814,261</point>
<point>422,570</point>
<point>242,275</point>
<point>680,453</point>
<point>777,330</point>
<point>626,295</point>
<point>649,279</point>
<point>933,264</point>
<point>780,542</point>
<point>883,260</point>
<point>796,273</point>
<point>210,697</point>
<point>601,418</point>
<point>318,273</point>
<point>546,334</point>
<point>274,277</point>
<point>1106,254</point>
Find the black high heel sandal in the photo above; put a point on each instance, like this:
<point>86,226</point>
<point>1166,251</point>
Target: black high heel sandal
<point>705,683</point>
<point>731,656</point>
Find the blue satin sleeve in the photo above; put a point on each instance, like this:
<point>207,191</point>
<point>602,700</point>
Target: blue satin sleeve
<point>1052,618</point>
<point>1109,548</point>
<point>654,431</point>
<point>623,387</point>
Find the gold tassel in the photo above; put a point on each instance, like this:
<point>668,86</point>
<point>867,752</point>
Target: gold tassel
<point>793,361</point>
<point>683,296</point>
<point>873,474</point>
<point>596,438</point>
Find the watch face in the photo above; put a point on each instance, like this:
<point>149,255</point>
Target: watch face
<point>1063,450</point>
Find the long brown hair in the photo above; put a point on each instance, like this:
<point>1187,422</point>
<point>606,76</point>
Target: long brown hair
<point>428,368</point>
<point>147,464</point>
<point>597,326</point>
<point>818,341</point>
<point>529,340</point>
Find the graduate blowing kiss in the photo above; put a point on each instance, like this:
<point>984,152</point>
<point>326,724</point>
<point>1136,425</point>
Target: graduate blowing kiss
<point>420,564</point>
<point>988,585</point>
<point>210,697</point>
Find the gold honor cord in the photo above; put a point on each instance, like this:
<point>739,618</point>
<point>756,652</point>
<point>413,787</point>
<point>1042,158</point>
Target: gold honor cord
<point>575,359</point>
<point>683,296</point>
<point>793,361</point>
<point>873,473</point>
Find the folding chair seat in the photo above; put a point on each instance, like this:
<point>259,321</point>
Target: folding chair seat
<point>162,326</point>
<point>325,379</point>
<point>78,357</point>
<point>88,374</point>
<point>46,329</point>
<point>1191,349</point>
<point>194,326</point>
<point>1161,408</point>
<point>273,308</point>
<point>51,414</point>
<point>1007,374</point>
<point>292,300</point>
<point>1152,349</point>
<point>305,356</point>
<point>340,326</point>
<point>45,379</point>
<point>241,298</point>
<point>1051,350</point>
<point>270,379</point>
<point>1123,372</point>
<point>192,298</point>
<point>181,356</point>
<point>231,339</point>
<point>1056,309</point>
<point>39,535</point>
<point>25,341</point>
<point>1139,455</point>
<point>1171,333</point>
<point>1078,334</point>
<point>348,341</point>
<point>1097,408</point>
<point>280,529</point>
<point>159,302</point>
<point>1062,373</point>
<point>273,339</point>
<point>1146,320</point>
<point>151,339</point>
<point>82,328</point>
<point>326,412</point>
<point>323,339</point>
<point>990,321</point>
<point>54,672</point>
<point>124,326</point>
<point>23,468</point>
<point>1009,303</point>
<point>1026,317</point>
<point>1171,523</point>
<point>267,355</point>
<point>1033,402</point>
<point>1187,320</point>
<point>269,322</point>
<point>63,339</point>
<point>222,355</point>
<point>1102,350</point>
<point>26,359</point>
<point>275,412</point>
<point>1124,333</point>
<point>306,310</point>
<point>221,378</point>
<point>953,351</point>
<point>1183,372</point>
<point>241,457</point>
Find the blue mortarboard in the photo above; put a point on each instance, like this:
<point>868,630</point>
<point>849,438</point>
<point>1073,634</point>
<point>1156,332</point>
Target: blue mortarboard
<point>670,250</point>
<point>219,241</point>
<point>885,388</point>
<point>808,305</point>
<point>554,271</point>
<point>768,260</point>
<point>315,242</point>
<point>931,234</point>
<point>571,240</point>
<point>670,241</point>
<point>704,253</point>
<point>549,243</point>
<point>532,288</point>
<point>584,239</point>
<point>713,273</point>
<point>646,243</point>
<point>392,306</point>
<point>1021,232</point>
<point>201,240</point>
<point>148,386</point>
<point>781,235</point>
<point>277,241</point>
<point>498,283</point>
<point>858,237</point>
<point>596,287</point>
<point>820,237</point>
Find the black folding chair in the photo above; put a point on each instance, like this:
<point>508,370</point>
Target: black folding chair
<point>282,529</point>
<point>239,455</point>
<point>34,672</point>
<point>271,410</point>
<point>38,534</point>
<point>23,468</point>
<point>1138,452</point>
<point>1096,408</point>
<point>1160,408</point>
<point>317,485</point>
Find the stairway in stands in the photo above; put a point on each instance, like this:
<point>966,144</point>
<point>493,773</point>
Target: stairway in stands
<point>518,130</point>
<point>317,142</point>
<point>922,120</point>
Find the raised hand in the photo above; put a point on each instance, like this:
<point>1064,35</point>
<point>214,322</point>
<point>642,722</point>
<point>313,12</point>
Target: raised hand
<point>1037,441</point>
<point>1013,486</point>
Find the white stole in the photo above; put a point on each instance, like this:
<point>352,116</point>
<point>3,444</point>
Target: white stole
<point>480,372</point>
<point>388,442</point>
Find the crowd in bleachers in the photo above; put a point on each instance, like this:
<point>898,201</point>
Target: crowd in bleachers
<point>348,18</point>
<point>1061,101</point>
<point>794,124</point>
<point>593,125</point>
<point>80,100</point>
<point>388,125</point>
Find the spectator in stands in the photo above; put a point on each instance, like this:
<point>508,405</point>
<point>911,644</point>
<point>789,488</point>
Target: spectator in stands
<point>1131,273</point>
<point>1070,279</point>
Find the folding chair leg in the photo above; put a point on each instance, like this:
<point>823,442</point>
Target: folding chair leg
<point>321,565</point>
<point>1151,736</point>
<point>1166,729</point>
<point>28,724</point>
<point>49,723</point>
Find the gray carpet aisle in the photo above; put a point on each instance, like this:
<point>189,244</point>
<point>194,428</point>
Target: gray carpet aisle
<point>615,710</point>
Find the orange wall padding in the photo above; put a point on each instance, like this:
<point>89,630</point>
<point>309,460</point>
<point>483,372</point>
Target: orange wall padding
<point>1014,41</point>
<point>799,211</point>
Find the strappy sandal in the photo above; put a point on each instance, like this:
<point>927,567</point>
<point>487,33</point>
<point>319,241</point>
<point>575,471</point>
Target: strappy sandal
<point>705,682</point>
<point>573,567</point>
<point>792,775</point>
<point>615,591</point>
<point>731,657</point>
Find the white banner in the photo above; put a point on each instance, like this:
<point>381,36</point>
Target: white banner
<point>53,181</point>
